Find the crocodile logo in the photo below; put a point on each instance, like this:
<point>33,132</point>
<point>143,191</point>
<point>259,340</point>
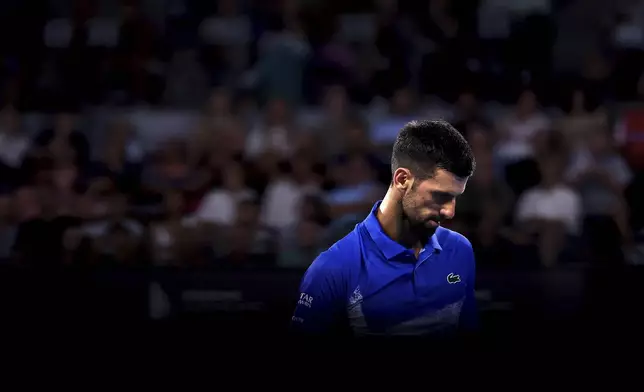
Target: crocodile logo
<point>453,278</point>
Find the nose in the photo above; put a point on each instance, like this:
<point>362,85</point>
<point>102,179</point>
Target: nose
<point>448,210</point>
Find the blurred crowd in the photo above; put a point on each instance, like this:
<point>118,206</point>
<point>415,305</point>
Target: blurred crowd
<point>295,106</point>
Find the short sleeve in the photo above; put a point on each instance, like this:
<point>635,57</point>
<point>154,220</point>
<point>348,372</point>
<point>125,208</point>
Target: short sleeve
<point>320,301</point>
<point>469,319</point>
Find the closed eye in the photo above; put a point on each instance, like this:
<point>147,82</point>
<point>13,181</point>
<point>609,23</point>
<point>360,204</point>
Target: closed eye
<point>442,197</point>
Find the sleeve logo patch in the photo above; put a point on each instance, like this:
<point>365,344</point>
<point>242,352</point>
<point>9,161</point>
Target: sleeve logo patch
<point>305,300</point>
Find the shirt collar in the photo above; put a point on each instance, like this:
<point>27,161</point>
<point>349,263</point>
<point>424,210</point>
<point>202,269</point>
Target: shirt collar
<point>387,246</point>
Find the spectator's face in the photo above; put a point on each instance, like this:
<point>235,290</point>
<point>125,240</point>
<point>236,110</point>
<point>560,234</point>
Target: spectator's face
<point>467,103</point>
<point>355,137</point>
<point>356,171</point>
<point>402,102</point>
<point>426,203</point>
<point>174,153</point>
<point>65,122</point>
<point>233,177</point>
<point>64,177</point>
<point>527,103</point>
<point>174,203</point>
<point>336,100</point>
<point>478,138</point>
<point>219,103</point>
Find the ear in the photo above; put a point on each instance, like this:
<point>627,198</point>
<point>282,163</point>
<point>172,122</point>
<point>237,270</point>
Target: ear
<point>402,179</point>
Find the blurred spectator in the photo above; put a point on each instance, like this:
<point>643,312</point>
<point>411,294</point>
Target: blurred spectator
<point>219,109</point>
<point>66,187</point>
<point>42,225</point>
<point>301,246</point>
<point>283,51</point>
<point>481,141</point>
<point>175,239</point>
<point>629,132</point>
<point>225,144</point>
<point>14,145</point>
<point>170,170</point>
<point>469,114</point>
<point>282,198</point>
<point>121,157</point>
<point>394,51</point>
<point>137,67</point>
<point>273,135</point>
<point>63,140</point>
<point>403,108</point>
<point>518,134</point>
<point>331,118</point>
<point>220,136</point>
<point>355,138</point>
<point>596,78</point>
<point>187,81</point>
<point>356,189</point>
<point>219,206</point>
<point>548,214</point>
<point>601,176</point>
<point>227,37</point>
<point>581,121</point>
<point>485,205</point>
<point>249,242</point>
<point>449,45</point>
<point>112,236</point>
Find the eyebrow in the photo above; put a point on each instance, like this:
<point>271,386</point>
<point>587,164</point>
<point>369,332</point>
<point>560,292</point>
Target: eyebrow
<point>446,194</point>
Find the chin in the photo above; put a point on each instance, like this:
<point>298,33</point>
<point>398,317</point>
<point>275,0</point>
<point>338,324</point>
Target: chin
<point>429,230</point>
<point>432,224</point>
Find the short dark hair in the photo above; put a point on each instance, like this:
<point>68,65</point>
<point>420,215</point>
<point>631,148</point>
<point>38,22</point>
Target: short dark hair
<point>424,146</point>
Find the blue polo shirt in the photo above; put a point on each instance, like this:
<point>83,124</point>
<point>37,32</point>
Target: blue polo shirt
<point>375,286</point>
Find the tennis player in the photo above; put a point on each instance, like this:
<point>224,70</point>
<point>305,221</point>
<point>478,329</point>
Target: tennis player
<point>399,272</point>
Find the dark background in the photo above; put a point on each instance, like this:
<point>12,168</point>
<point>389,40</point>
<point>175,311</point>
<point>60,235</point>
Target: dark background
<point>183,162</point>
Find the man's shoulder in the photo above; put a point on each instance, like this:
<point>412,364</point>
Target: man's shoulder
<point>450,239</point>
<point>342,255</point>
<point>457,246</point>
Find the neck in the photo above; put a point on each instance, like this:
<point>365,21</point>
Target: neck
<point>391,218</point>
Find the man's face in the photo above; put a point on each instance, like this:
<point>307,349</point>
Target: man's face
<point>429,202</point>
